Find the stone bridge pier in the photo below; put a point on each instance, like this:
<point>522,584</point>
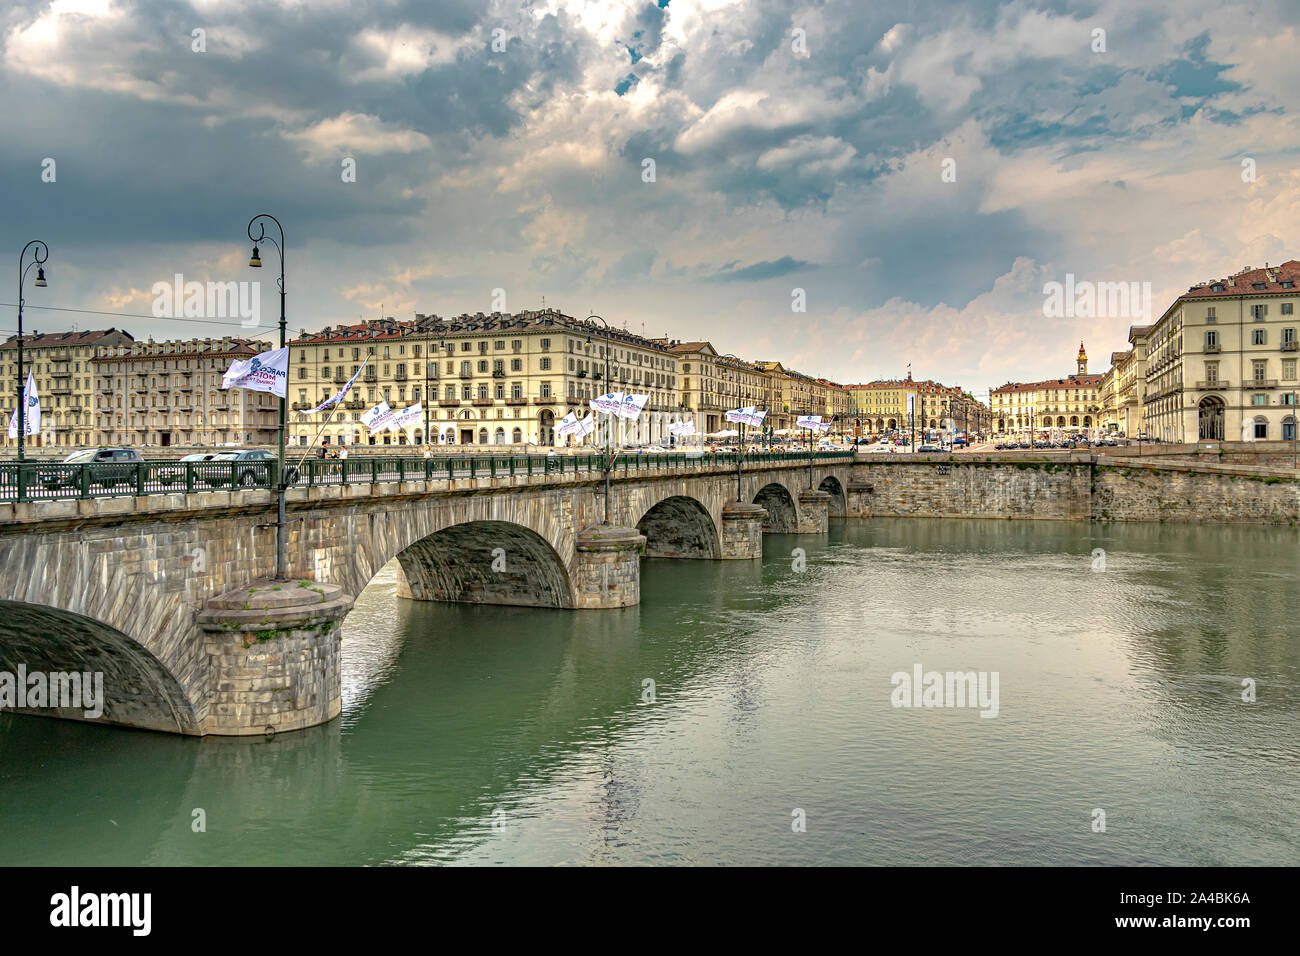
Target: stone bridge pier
<point>171,597</point>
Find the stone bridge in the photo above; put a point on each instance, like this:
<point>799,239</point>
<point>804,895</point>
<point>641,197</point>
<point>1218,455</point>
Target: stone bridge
<point>170,596</point>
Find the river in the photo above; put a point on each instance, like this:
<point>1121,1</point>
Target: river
<point>769,733</point>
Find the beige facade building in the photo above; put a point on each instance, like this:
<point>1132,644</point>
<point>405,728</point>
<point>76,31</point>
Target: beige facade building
<point>65,383</point>
<point>1054,407</point>
<point>1221,360</point>
<point>159,394</point>
<point>483,380</point>
<point>881,406</point>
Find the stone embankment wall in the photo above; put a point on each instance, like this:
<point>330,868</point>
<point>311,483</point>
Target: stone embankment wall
<point>1077,486</point>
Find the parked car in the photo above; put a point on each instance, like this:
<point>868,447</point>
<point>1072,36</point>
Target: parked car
<point>246,471</point>
<point>929,448</point>
<point>175,474</point>
<point>113,467</point>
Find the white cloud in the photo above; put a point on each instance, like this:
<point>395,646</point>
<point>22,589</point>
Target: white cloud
<point>356,133</point>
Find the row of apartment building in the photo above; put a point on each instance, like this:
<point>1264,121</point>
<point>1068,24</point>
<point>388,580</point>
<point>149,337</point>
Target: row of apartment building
<point>882,406</point>
<point>482,380</point>
<point>1219,364</point>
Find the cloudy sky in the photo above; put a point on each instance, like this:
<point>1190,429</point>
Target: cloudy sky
<point>794,146</point>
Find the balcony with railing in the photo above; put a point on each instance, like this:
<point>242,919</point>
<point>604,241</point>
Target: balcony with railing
<point>1211,385</point>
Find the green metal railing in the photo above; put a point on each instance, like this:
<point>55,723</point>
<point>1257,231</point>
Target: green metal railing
<point>40,481</point>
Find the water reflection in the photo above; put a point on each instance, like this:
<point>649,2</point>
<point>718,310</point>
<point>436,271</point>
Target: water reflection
<point>515,735</point>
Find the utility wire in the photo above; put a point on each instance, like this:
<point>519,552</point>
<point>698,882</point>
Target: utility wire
<point>139,315</point>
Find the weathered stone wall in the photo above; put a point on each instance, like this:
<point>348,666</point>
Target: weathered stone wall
<point>742,531</point>
<point>813,511</point>
<point>1192,494</point>
<point>608,572</point>
<point>968,488</point>
<point>1108,489</point>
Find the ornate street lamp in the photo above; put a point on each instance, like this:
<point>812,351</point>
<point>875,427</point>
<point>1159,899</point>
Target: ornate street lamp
<point>255,261</point>
<point>40,252</point>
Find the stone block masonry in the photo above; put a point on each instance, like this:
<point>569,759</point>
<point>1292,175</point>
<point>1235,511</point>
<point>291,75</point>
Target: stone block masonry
<point>608,571</point>
<point>273,656</point>
<point>1075,488</point>
<point>813,511</point>
<point>742,531</point>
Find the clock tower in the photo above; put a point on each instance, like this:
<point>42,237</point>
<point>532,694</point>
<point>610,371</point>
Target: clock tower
<point>1083,360</point>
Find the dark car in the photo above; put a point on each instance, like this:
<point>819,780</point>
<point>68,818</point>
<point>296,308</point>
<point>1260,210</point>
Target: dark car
<point>110,467</point>
<point>175,474</point>
<point>250,468</point>
<point>244,468</point>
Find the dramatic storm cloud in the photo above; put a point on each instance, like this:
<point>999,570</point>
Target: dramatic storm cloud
<point>679,167</point>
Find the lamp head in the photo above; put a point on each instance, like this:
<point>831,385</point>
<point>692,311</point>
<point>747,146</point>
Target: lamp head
<point>40,278</point>
<point>256,259</point>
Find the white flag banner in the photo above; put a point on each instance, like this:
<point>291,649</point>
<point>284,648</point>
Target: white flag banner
<point>264,372</point>
<point>338,396</point>
<point>808,421</point>
<point>378,418</point>
<point>740,415</point>
<point>568,425</point>
<point>682,428</point>
<point>32,416</point>
<point>408,417</point>
<point>631,406</point>
<point>585,427</point>
<point>755,417</point>
<point>609,403</point>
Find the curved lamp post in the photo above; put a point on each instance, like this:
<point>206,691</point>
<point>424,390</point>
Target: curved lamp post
<point>740,436</point>
<point>255,261</point>
<point>592,321</point>
<point>40,252</point>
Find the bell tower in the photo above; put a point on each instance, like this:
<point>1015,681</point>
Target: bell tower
<point>1082,360</point>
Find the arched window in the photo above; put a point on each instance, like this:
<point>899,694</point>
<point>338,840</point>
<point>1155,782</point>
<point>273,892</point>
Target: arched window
<point>1210,418</point>
<point>500,436</point>
<point>1288,428</point>
<point>482,436</point>
<point>516,436</point>
<point>1261,427</point>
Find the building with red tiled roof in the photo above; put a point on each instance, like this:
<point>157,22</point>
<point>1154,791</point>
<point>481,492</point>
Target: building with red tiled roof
<point>1067,405</point>
<point>482,379</point>
<point>158,394</point>
<point>1220,362</point>
<point>60,363</point>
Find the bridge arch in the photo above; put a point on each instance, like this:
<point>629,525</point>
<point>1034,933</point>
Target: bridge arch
<point>485,562</point>
<point>679,526</point>
<point>782,514</point>
<point>837,507</point>
<point>134,688</point>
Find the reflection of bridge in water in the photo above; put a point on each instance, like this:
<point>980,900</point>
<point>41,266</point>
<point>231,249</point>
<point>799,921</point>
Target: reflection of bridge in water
<point>170,596</point>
